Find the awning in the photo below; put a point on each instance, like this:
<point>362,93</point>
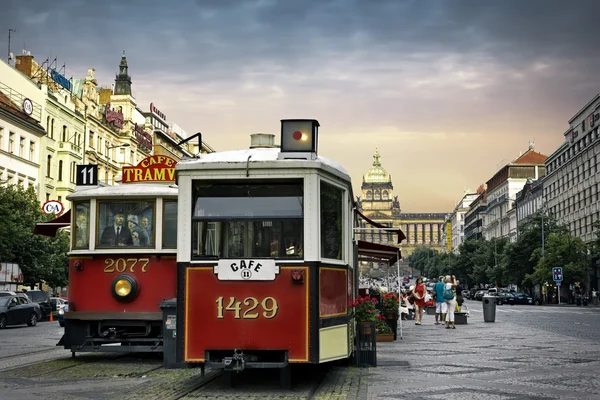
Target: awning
<point>369,251</point>
<point>397,231</point>
<point>51,227</point>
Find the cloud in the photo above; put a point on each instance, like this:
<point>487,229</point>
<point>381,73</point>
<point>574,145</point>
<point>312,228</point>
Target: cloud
<point>452,86</point>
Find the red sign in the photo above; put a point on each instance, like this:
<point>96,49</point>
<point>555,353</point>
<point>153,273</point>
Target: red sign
<point>143,138</point>
<point>271,315</point>
<point>157,112</point>
<point>113,117</point>
<point>151,169</point>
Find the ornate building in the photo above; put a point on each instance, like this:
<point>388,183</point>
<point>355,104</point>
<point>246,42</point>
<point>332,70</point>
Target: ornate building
<point>379,203</point>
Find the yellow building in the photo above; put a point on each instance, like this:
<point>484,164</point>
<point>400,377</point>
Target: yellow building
<point>379,203</point>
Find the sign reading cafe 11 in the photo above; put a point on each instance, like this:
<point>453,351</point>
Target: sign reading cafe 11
<point>151,169</point>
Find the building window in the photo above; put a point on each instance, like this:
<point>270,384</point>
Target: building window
<point>22,147</point>
<point>11,142</point>
<point>64,133</point>
<point>31,151</point>
<point>52,129</point>
<point>47,196</point>
<point>48,165</point>
<point>1,138</point>
<point>60,168</point>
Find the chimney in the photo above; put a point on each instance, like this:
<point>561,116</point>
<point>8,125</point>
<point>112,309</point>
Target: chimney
<point>24,64</point>
<point>262,140</point>
<point>105,94</point>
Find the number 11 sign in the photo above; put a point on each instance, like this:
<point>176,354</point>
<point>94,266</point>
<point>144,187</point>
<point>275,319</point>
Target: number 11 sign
<point>87,175</point>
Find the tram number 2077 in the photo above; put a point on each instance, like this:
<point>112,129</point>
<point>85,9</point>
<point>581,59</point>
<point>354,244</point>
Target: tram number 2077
<point>122,264</point>
<point>268,305</point>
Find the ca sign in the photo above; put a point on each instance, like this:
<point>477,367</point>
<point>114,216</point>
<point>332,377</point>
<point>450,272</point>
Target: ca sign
<point>53,207</point>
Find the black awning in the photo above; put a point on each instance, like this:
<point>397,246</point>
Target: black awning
<point>369,251</point>
<point>51,227</point>
<point>397,231</point>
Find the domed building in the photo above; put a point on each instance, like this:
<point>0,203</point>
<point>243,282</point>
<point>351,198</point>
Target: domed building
<point>379,204</point>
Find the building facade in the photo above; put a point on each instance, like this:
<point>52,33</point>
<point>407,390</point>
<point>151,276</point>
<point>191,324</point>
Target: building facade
<point>378,203</point>
<point>502,189</point>
<point>474,217</point>
<point>456,223</point>
<point>529,201</point>
<point>571,186</point>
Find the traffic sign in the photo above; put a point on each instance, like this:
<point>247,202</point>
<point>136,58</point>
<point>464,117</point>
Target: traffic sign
<point>87,175</point>
<point>557,274</point>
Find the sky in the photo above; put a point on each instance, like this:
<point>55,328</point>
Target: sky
<point>448,91</point>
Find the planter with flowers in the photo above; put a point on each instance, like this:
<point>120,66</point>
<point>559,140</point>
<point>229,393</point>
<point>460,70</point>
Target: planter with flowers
<point>384,332</point>
<point>365,313</point>
<point>390,305</point>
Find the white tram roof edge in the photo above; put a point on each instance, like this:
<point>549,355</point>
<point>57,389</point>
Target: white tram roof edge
<point>127,189</point>
<point>266,156</point>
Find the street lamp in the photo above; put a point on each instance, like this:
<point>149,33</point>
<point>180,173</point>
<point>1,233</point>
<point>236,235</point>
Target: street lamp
<point>119,145</point>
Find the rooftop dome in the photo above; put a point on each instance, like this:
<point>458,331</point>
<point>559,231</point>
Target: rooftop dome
<point>377,174</point>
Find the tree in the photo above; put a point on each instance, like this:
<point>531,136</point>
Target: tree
<point>40,258</point>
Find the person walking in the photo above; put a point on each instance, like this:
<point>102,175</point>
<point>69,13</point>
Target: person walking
<point>450,297</point>
<point>419,293</point>
<point>440,302</point>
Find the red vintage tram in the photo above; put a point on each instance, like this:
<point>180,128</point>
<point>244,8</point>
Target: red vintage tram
<point>267,256</point>
<point>122,262</point>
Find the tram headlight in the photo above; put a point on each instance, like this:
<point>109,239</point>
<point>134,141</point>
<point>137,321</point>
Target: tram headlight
<point>124,288</point>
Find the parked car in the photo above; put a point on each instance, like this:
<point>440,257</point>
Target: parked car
<point>42,298</point>
<point>57,304</point>
<point>523,298</point>
<point>505,298</point>
<point>479,294</point>
<point>61,314</point>
<point>17,310</point>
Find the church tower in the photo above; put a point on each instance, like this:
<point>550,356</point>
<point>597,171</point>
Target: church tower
<point>123,80</point>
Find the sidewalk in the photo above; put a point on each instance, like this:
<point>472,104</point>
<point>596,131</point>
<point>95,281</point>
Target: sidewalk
<point>481,360</point>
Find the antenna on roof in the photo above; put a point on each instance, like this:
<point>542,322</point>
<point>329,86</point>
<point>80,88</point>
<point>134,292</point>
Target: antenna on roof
<point>531,144</point>
<point>10,55</point>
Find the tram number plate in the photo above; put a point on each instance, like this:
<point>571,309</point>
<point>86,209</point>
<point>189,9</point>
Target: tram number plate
<point>123,264</point>
<point>248,308</point>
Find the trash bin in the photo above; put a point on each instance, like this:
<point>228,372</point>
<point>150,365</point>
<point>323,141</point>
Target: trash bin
<point>489,308</point>
<point>169,331</point>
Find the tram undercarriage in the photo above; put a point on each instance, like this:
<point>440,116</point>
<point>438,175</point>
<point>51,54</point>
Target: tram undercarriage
<point>112,336</point>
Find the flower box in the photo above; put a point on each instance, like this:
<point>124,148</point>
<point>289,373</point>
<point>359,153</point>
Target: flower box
<point>385,337</point>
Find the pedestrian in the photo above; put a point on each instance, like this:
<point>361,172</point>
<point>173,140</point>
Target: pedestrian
<point>450,297</point>
<point>419,293</point>
<point>440,302</point>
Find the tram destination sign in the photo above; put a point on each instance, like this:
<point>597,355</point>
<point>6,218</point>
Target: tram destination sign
<point>151,169</point>
<point>246,270</point>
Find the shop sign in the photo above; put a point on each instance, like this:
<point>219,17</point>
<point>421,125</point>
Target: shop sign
<point>151,169</point>
<point>157,112</point>
<point>60,79</point>
<point>113,117</point>
<point>143,138</point>
<point>53,207</point>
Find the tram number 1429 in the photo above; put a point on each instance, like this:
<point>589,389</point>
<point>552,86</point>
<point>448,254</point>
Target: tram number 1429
<point>269,306</point>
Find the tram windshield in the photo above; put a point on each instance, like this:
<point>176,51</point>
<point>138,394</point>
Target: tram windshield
<point>241,220</point>
<point>125,223</point>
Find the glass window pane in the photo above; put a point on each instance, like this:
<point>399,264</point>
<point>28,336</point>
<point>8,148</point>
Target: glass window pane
<point>331,221</point>
<point>81,231</point>
<point>170,224</point>
<point>129,223</point>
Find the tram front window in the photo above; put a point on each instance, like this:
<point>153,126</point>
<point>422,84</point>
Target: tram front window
<point>238,220</point>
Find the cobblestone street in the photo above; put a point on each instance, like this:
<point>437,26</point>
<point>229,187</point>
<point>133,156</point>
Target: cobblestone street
<point>520,356</point>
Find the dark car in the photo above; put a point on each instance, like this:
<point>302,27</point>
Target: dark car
<point>523,298</point>
<point>42,298</point>
<point>505,298</point>
<point>17,310</point>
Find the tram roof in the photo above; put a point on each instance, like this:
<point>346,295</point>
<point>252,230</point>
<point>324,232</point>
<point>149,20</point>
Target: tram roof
<point>127,189</point>
<point>268,157</point>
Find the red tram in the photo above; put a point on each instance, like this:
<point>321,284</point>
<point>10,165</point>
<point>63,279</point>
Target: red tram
<point>267,256</point>
<point>122,262</point>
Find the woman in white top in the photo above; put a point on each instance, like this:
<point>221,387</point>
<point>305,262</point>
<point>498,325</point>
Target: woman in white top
<point>450,285</point>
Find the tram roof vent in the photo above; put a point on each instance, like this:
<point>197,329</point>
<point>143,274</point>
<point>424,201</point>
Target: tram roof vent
<point>299,139</point>
<point>262,140</point>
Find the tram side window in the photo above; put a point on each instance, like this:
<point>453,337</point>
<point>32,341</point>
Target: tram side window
<point>241,220</point>
<point>332,229</point>
<point>81,231</point>
<point>125,224</point>
<point>170,224</point>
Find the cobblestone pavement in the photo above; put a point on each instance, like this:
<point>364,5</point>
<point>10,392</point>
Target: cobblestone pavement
<point>504,360</point>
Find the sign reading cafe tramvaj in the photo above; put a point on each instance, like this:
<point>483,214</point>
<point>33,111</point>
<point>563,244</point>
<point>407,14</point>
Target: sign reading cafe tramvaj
<point>151,169</point>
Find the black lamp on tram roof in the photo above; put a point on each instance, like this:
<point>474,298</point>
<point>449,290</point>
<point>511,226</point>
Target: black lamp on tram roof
<point>299,138</point>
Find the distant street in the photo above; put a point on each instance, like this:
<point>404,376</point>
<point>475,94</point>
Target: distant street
<point>577,322</point>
